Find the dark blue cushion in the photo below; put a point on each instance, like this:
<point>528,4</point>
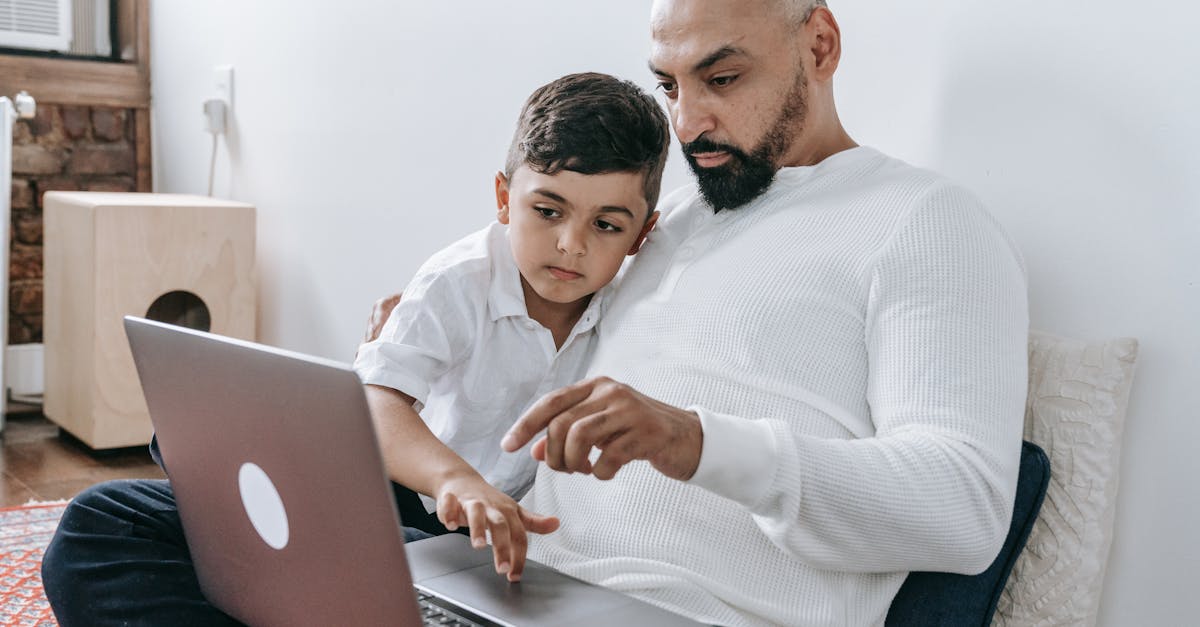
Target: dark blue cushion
<point>945,599</point>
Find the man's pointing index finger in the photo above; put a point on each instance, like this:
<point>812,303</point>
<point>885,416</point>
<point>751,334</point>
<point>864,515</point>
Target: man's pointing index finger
<point>543,412</point>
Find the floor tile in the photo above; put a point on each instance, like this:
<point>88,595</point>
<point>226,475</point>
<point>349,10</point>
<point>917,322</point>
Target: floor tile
<point>13,492</point>
<point>46,460</point>
<point>37,462</point>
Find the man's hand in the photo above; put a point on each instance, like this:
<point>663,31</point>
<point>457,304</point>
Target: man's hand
<point>471,501</point>
<point>623,423</point>
<point>380,312</point>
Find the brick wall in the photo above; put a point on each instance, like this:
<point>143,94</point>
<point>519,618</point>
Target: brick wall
<point>64,148</point>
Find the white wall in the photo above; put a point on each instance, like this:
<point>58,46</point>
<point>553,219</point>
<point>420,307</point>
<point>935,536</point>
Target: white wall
<point>368,140</point>
<point>368,137</point>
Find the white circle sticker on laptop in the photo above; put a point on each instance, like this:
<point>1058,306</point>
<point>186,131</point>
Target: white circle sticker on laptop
<point>263,505</point>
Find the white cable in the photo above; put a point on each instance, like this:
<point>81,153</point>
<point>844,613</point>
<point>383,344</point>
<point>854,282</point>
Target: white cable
<point>214,115</point>
<point>212,165</point>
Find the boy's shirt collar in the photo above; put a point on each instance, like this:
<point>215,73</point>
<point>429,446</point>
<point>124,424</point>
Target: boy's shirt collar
<point>505,297</point>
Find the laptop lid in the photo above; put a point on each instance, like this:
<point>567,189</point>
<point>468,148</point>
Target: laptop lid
<point>287,511</point>
<point>277,475</point>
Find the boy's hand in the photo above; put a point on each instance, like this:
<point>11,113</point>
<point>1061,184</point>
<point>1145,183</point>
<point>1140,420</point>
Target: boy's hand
<point>615,418</point>
<point>473,502</point>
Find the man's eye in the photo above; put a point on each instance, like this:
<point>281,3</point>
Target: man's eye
<point>608,226</point>
<point>547,212</point>
<point>668,88</point>
<point>723,81</point>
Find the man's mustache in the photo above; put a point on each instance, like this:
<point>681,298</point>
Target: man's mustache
<point>703,144</point>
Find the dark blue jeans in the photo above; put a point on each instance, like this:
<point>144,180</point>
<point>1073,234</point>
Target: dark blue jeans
<point>119,558</point>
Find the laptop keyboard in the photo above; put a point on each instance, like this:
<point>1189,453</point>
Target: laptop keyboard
<point>435,612</point>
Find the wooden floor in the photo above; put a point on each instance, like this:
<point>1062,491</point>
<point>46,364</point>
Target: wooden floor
<point>40,463</point>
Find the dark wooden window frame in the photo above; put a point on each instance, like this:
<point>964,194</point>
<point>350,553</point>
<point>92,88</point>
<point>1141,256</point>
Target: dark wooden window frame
<point>124,83</point>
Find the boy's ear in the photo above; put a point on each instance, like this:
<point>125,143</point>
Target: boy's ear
<point>501,198</point>
<point>641,238</point>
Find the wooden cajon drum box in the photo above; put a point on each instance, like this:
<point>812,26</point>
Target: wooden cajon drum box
<point>185,260</point>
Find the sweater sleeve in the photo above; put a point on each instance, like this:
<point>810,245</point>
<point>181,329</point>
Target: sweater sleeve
<point>946,330</point>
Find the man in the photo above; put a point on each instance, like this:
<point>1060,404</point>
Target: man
<point>812,379</point>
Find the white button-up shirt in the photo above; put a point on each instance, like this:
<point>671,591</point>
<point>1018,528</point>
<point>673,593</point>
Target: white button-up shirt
<point>462,344</point>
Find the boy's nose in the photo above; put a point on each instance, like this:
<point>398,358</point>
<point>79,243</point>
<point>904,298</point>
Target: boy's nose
<point>571,242</point>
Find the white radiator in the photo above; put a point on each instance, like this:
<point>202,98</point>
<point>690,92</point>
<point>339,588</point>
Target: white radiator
<point>9,112</point>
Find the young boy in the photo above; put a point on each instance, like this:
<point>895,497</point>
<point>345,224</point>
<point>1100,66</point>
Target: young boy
<point>507,314</point>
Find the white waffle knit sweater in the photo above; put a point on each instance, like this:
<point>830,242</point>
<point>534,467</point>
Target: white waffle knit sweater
<point>854,342</point>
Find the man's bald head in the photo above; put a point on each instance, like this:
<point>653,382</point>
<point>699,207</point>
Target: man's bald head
<point>791,12</point>
<point>798,11</point>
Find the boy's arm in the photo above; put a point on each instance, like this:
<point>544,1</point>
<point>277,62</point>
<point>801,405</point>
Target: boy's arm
<point>414,457</point>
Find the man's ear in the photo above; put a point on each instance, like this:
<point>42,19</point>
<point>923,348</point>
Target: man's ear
<point>501,198</point>
<point>826,43</point>
<point>641,238</point>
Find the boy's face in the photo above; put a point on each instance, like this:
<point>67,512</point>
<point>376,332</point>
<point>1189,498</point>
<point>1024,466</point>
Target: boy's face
<point>570,231</point>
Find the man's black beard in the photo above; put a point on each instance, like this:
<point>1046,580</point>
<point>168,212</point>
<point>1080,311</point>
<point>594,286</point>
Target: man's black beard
<point>736,182</point>
<point>745,177</point>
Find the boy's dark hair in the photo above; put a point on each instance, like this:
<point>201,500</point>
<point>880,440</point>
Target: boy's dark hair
<point>592,123</point>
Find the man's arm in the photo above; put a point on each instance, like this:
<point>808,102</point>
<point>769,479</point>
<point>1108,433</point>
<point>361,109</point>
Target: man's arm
<point>916,499</point>
<point>416,458</point>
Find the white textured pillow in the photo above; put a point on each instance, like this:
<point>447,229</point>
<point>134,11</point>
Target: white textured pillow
<point>1078,393</point>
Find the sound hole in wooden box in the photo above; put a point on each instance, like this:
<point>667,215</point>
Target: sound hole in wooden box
<point>182,309</point>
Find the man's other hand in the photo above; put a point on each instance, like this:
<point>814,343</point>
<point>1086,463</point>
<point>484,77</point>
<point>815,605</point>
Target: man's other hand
<point>615,418</point>
<point>379,315</point>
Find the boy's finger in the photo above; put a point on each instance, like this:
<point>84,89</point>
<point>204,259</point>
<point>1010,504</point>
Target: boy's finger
<point>519,546</point>
<point>448,511</point>
<point>501,540</point>
<point>542,413</point>
<point>477,523</point>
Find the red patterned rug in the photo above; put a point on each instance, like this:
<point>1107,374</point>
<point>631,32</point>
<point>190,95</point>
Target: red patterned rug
<point>24,533</point>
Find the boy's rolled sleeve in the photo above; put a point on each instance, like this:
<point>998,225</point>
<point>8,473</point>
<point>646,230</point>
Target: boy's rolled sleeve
<point>421,340</point>
<point>396,366</point>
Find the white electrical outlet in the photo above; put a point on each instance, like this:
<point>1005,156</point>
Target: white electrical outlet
<point>223,84</point>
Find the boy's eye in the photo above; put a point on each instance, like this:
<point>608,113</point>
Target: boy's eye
<point>547,212</point>
<point>605,225</point>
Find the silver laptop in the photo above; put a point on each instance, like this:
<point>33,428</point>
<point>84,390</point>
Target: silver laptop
<point>289,515</point>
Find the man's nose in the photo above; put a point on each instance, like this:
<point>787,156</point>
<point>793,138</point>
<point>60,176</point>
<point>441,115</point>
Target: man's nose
<point>693,116</point>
